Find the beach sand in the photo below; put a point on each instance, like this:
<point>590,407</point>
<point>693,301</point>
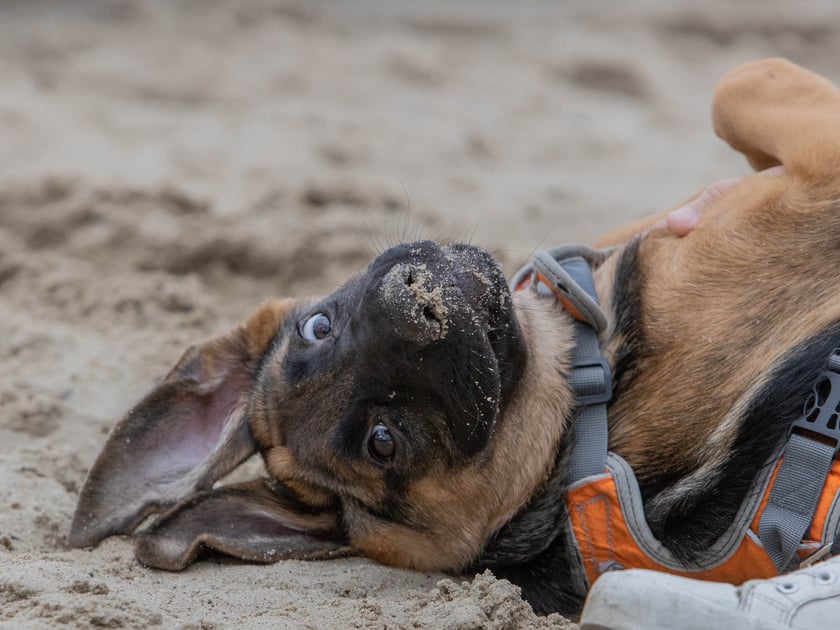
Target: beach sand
<point>167,166</point>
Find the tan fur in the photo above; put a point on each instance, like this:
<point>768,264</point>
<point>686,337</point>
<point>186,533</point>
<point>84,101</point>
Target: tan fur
<point>751,270</point>
<point>261,327</point>
<point>282,465</point>
<point>777,113</point>
<point>687,312</point>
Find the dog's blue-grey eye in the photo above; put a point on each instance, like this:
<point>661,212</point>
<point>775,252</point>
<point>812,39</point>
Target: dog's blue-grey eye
<point>315,328</point>
<point>381,443</point>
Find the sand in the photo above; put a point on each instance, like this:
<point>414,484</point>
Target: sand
<point>167,166</point>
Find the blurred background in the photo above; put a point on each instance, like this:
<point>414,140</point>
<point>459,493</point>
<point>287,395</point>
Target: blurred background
<point>298,137</point>
<point>167,165</point>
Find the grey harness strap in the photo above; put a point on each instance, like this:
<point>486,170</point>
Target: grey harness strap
<point>805,465</point>
<point>570,277</point>
<point>590,381</point>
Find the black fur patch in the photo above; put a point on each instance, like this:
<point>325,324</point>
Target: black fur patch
<point>627,303</point>
<point>699,520</point>
<point>630,281</point>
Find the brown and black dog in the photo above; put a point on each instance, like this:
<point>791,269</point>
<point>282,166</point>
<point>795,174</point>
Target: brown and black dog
<point>419,415</point>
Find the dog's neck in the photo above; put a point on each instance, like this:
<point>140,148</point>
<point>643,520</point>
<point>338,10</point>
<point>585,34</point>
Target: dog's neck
<point>536,417</point>
<point>531,547</point>
<point>545,404</point>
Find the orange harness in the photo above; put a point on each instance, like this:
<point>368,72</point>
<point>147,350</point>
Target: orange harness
<point>606,540</point>
<point>606,513</point>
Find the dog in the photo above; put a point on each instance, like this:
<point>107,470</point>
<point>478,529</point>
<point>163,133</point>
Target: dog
<point>423,414</point>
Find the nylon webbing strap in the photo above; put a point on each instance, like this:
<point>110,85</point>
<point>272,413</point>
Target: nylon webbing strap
<point>805,465</point>
<point>590,381</point>
<point>589,376</point>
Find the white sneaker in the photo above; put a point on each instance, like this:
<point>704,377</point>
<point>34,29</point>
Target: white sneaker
<point>807,599</point>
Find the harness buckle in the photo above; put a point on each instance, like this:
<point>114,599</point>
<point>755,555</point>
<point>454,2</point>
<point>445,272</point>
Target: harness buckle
<point>591,380</point>
<point>821,413</point>
<point>820,554</point>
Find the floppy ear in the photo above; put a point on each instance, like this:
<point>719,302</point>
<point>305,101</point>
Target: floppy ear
<point>259,521</point>
<point>775,112</point>
<point>183,436</point>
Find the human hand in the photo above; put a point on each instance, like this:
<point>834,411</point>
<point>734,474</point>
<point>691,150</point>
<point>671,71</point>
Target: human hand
<point>682,220</point>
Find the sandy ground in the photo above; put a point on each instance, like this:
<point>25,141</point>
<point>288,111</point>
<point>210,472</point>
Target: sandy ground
<point>166,166</point>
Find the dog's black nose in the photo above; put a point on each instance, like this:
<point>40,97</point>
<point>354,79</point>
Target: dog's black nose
<point>414,302</point>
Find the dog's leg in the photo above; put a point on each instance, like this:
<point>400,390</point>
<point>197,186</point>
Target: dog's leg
<point>775,112</point>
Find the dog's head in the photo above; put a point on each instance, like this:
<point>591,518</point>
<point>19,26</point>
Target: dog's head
<point>381,412</point>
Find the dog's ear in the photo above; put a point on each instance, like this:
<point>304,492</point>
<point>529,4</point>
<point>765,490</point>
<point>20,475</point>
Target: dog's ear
<point>775,112</point>
<point>183,436</point>
<point>259,521</point>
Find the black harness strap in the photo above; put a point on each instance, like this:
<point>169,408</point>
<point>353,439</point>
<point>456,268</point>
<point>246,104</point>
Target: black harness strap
<point>809,454</point>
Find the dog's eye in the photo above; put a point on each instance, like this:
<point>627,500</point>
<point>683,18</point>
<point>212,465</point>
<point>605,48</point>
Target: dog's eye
<point>316,327</point>
<point>381,443</point>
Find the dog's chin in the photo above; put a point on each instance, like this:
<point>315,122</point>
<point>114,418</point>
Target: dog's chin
<point>484,287</point>
<point>481,282</point>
